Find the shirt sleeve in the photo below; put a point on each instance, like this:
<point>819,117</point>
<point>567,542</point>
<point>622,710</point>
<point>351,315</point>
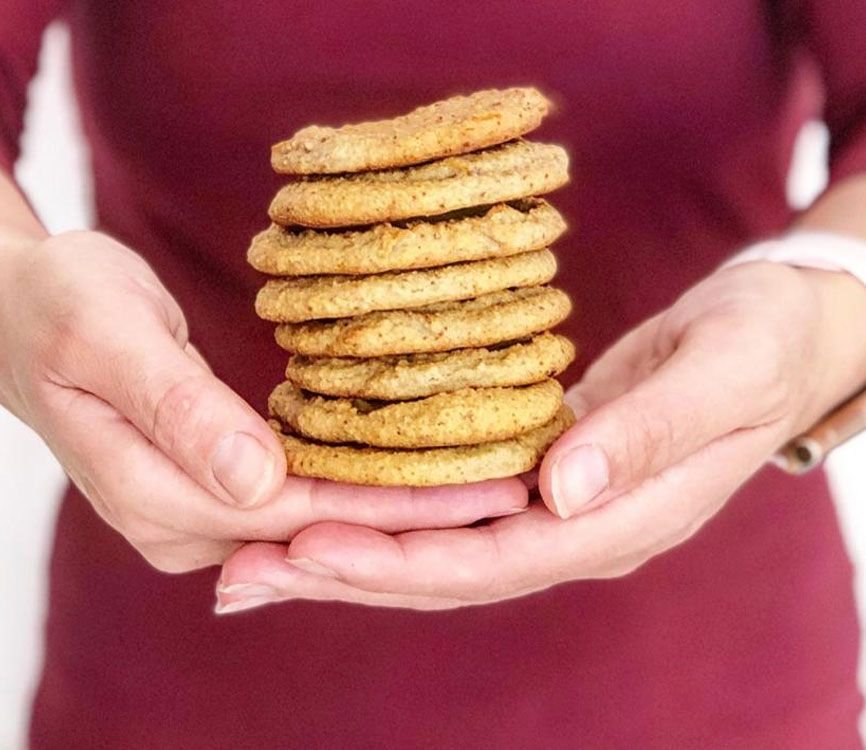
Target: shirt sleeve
<point>21,25</point>
<point>834,33</point>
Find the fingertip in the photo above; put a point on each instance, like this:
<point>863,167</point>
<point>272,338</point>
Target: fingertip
<point>324,535</point>
<point>253,562</point>
<point>490,498</point>
<point>510,491</point>
<point>339,548</point>
<point>249,470</point>
<point>548,463</point>
<point>573,474</point>
<point>277,453</point>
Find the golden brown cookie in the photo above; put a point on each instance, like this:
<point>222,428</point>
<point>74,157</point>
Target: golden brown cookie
<point>317,297</point>
<point>514,170</point>
<point>418,375</point>
<point>426,467</point>
<point>509,315</point>
<point>464,417</point>
<point>451,126</point>
<point>494,232</point>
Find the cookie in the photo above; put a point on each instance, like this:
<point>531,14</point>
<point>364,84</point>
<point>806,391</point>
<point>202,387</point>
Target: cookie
<point>452,126</point>
<point>490,319</point>
<point>422,468</point>
<point>418,375</point>
<point>464,417</point>
<point>514,170</point>
<point>491,232</point>
<point>317,297</point>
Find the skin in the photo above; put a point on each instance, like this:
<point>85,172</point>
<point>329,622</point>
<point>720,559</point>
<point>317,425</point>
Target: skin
<point>674,418</point>
<point>95,356</point>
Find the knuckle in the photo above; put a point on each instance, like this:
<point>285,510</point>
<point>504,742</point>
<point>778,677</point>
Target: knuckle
<point>183,413</point>
<point>68,337</point>
<point>71,334</point>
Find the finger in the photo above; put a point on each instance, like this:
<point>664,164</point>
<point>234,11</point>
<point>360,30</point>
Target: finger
<point>153,490</point>
<point>530,479</point>
<point>307,501</point>
<point>692,398</point>
<point>471,564</point>
<point>133,486</point>
<point>533,551</point>
<point>258,574</point>
<point>162,385</point>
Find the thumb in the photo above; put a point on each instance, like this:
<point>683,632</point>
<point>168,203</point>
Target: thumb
<point>693,398</point>
<point>161,384</point>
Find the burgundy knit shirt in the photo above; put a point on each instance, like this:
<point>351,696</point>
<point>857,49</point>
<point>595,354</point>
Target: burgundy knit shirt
<point>680,117</point>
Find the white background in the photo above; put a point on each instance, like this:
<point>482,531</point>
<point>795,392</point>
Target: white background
<point>53,173</point>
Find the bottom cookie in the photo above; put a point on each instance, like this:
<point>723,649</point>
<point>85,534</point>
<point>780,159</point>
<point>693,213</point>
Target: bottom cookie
<point>426,467</point>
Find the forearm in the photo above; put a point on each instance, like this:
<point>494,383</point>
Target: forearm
<point>19,226</point>
<point>842,209</point>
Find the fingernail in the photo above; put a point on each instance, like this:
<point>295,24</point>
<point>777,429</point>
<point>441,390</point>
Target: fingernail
<point>241,604</point>
<point>577,477</point>
<point>509,512</point>
<point>243,467</point>
<point>247,590</point>
<point>311,566</point>
<point>243,596</point>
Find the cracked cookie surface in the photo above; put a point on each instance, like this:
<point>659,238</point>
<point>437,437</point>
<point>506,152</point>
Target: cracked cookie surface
<point>474,234</point>
<point>463,417</point>
<point>503,173</point>
<point>452,126</point>
<point>508,315</point>
<point>318,297</point>
<point>411,376</point>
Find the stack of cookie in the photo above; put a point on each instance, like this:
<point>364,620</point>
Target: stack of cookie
<point>412,264</point>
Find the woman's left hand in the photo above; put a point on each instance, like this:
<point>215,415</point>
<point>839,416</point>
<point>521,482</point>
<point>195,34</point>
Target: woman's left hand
<point>676,416</point>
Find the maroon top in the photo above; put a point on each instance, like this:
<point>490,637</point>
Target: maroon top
<point>680,119</point>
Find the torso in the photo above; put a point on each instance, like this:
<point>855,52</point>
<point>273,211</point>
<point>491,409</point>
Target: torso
<point>679,121</point>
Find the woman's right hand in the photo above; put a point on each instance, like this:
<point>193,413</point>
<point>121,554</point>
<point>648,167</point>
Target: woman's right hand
<point>95,356</point>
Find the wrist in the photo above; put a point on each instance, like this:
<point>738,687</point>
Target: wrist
<point>14,245</point>
<point>834,265</point>
<point>841,312</point>
<point>14,248</point>
<point>825,250</point>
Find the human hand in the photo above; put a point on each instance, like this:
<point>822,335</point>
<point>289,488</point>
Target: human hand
<point>677,415</point>
<point>95,356</point>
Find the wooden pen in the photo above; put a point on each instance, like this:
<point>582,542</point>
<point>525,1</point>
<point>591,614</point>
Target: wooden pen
<point>809,449</point>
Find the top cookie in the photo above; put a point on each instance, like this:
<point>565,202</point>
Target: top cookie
<point>452,126</point>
